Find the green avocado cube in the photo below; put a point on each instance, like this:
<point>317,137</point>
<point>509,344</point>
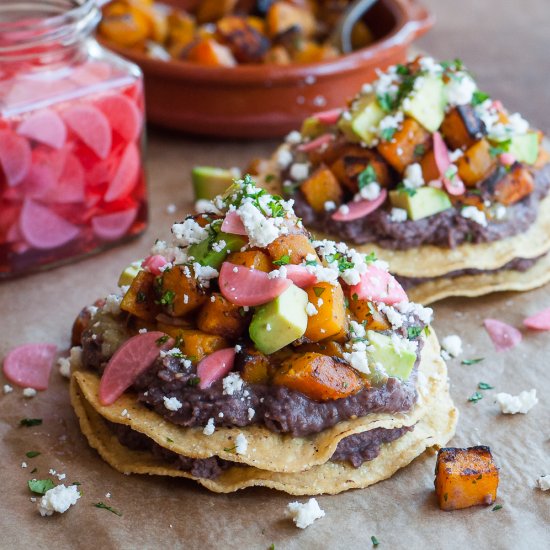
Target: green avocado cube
<point>213,251</point>
<point>365,118</point>
<point>280,322</point>
<point>397,362</point>
<point>129,274</point>
<point>525,148</point>
<point>422,202</point>
<point>209,182</point>
<point>427,104</point>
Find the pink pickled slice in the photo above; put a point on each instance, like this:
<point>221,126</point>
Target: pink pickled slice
<point>15,157</point>
<point>133,358</point>
<point>111,227</point>
<point>215,366</point>
<point>507,159</point>
<point>443,162</point>
<point>233,224</point>
<point>360,209</point>
<point>539,321</point>
<point>44,229</point>
<point>70,186</point>
<point>123,115</point>
<point>317,143</point>
<point>91,126</point>
<point>378,285</point>
<point>154,264</point>
<point>40,181</point>
<point>249,287</point>
<point>300,276</point>
<point>29,365</point>
<point>328,117</point>
<point>126,176</point>
<point>46,127</point>
<point>504,336</point>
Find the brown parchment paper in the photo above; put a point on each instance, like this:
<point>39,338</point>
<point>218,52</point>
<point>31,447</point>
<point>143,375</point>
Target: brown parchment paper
<point>172,513</point>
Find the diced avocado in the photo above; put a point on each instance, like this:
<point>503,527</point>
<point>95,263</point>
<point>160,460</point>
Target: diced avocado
<point>525,148</point>
<point>210,182</point>
<point>422,202</point>
<point>365,117</point>
<point>281,321</point>
<point>129,274</point>
<point>397,362</point>
<point>427,104</point>
<point>312,128</point>
<point>206,253</point>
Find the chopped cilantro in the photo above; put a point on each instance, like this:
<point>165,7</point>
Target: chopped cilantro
<point>402,69</point>
<point>375,541</point>
<point>341,260</point>
<point>475,397</point>
<point>419,150</point>
<point>414,332</point>
<point>169,440</point>
<point>40,486</point>
<point>230,449</point>
<point>31,454</point>
<point>283,260</point>
<point>277,210</point>
<point>178,341</point>
<point>77,483</point>
<point>369,258</point>
<point>402,188</point>
<point>472,361</point>
<point>162,340</point>
<point>450,173</point>
<point>497,507</point>
<point>168,298</point>
<point>427,330</point>
<point>141,297</point>
<point>368,175</point>
<point>387,134</point>
<point>485,386</point>
<point>271,547</point>
<point>311,262</point>
<point>318,290</point>
<point>479,97</point>
<point>355,296</point>
<point>194,381</point>
<point>386,102</point>
<point>28,422</point>
<point>269,178</point>
<point>105,507</point>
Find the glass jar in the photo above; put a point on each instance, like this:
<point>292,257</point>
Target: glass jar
<point>71,137</point>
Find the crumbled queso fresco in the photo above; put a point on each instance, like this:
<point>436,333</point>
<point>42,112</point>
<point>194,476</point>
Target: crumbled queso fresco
<point>59,499</point>
<point>452,345</point>
<point>304,514</point>
<point>513,404</point>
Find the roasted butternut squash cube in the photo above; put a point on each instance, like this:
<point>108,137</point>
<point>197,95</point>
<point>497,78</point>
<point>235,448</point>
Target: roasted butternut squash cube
<point>140,299</point>
<point>461,127</point>
<point>318,376</point>
<point>400,151</point>
<point>247,44</point>
<point>283,16</point>
<point>181,29</point>
<point>295,246</point>
<point>366,312</point>
<point>195,344</point>
<point>476,163</point>
<point>254,366</point>
<point>253,259</point>
<point>326,347</point>
<point>219,316</point>
<point>209,52</point>
<point>330,318</point>
<point>465,477</point>
<point>124,24</point>
<point>311,52</point>
<point>212,10</point>
<point>178,292</point>
<point>321,187</point>
<point>278,55</point>
<point>430,171</point>
<point>514,186</point>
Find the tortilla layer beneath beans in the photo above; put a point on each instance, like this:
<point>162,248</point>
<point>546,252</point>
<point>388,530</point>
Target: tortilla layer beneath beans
<point>482,283</point>
<point>266,450</point>
<point>435,428</point>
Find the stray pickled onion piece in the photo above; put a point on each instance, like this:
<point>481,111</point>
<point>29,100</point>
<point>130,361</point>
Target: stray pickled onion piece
<point>359,209</point>
<point>46,127</point>
<point>126,176</point>
<point>539,321</point>
<point>70,186</point>
<point>504,336</point>
<point>215,366</point>
<point>29,365</point>
<point>454,186</point>
<point>233,224</point>
<point>111,227</point>
<point>154,264</point>
<point>133,358</point>
<point>300,276</point>
<point>249,287</point>
<point>328,117</point>
<point>15,157</point>
<point>92,127</point>
<point>325,139</point>
<point>379,286</point>
<point>507,159</point>
<point>123,115</point>
<point>44,229</point>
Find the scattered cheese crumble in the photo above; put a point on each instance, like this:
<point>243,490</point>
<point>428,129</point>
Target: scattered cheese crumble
<point>304,514</point>
<point>241,444</point>
<point>59,499</point>
<point>172,403</point>
<point>452,344</point>
<point>513,404</point>
<point>7,388</point>
<point>29,392</point>
<point>474,214</point>
<point>543,483</point>
<point>209,429</point>
<point>232,383</point>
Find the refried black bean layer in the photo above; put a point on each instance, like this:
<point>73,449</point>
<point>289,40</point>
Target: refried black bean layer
<point>355,450</point>
<point>447,229</point>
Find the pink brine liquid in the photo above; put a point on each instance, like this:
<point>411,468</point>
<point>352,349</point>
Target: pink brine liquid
<point>71,172</point>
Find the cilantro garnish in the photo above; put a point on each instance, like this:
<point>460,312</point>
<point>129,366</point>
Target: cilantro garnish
<point>162,340</point>
<point>355,296</point>
<point>479,97</point>
<point>318,290</point>
<point>283,260</point>
<point>105,507</point>
<point>485,386</point>
<point>178,341</point>
<point>419,150</point>
<point>28,422</point>
<point>230,449</point>
<point>40,486</point>
<point>386,102</point>
<point>168,298</point>
<point>341,260</point>
<point>32,454</point>
<point>271,547</point>
<point>269,178</point>
<point>472,361</point>
<point>311,262</point>
<point>169,440</point>
<point>475,397</point>
<point>387,134</point>
<point>375,541</point>
<point>402,188</point>
<point>402,69</point>
<point>450,173</point>
<point>414,332</point>
<point>502,147</point>
<point>369,258</point>
<point>497,507</point>
<point>368,175</point>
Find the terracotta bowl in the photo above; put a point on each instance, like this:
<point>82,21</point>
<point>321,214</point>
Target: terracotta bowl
<point>267,101</point>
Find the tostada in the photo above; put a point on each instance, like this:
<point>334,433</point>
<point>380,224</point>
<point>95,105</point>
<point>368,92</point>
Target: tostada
<point>245,353</point>
<point>432,174</point>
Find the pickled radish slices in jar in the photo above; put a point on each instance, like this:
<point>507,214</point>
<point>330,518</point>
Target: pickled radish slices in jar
<point>71,133</point>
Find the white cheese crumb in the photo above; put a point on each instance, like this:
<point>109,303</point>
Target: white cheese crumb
<point>24,464</point>
<point>413,176</point>
<point>171,209</point>
<point>304,514</point>
<point>398,215</point>
<point>29,392</point>
<point>455,155</point>
<point>251,412</point>
<point>172,403</point>
<point>219,246</point>
<point>7,388</point>
<point>241,444</point>
<point>452,344</point>
<point>112,304</point>
<point>543,483</point>
<point>370,192</point>
<point>268,327</point>
<point>472,213</point>
<point>358,329</point>
<point>344,209</point>
<point>311,310</point>
<point>329,206</point>
<point>59,499</point>
<point>238,348</point>
<point>513,404</point>
<point>209,429</point>
<point>284,158</point>
<point>142,330</point>
<point>232,383</point>
<point>460,89</point>
<point>293,137</point>
<point>299,171</point>
<point>203,205</point>
<point>189,232</point>
<point>107,495</point>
